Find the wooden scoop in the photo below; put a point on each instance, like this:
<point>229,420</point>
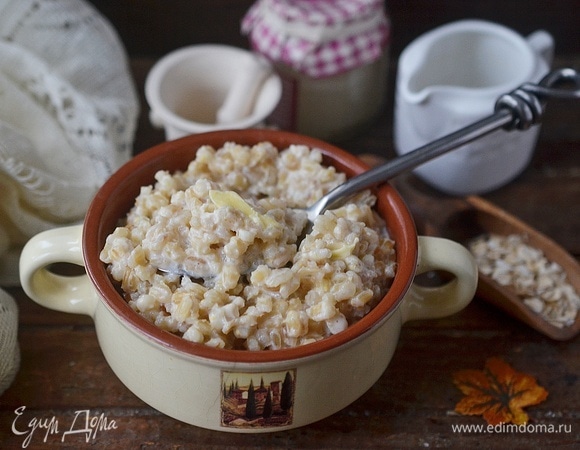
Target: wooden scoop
<point>462,219</point>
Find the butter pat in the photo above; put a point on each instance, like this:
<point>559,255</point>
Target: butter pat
<point>341,251</point>
<point>234,200</point>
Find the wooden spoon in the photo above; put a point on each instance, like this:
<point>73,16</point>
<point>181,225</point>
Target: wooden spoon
<point>462,219</point>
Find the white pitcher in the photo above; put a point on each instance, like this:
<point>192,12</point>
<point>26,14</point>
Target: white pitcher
<point>451,77</point>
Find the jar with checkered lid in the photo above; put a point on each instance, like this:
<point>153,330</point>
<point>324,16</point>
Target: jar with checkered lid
<point>332,57</point>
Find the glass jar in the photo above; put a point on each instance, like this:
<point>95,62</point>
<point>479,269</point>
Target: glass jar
<point>332,56</point>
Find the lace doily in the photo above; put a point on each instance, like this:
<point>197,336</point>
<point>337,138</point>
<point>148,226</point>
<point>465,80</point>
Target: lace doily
<point>9,351</point>
<point>68,112</point>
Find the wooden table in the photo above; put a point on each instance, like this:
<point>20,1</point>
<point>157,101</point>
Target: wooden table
<point>64,376</point>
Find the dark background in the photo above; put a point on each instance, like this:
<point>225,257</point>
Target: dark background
<point>154,27</point>
<point>150,29</point>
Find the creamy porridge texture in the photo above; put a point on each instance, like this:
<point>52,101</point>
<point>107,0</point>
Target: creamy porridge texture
<point>232,220</point>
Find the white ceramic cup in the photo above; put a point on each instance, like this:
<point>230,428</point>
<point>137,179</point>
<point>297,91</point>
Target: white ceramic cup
<point>210,87</point>
<point>194,382</point>
<point>451,77</point>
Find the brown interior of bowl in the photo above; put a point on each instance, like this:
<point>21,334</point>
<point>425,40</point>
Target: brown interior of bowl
<point>117,196</point>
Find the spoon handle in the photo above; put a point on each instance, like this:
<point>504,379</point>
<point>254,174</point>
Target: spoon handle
<point>519,109</point>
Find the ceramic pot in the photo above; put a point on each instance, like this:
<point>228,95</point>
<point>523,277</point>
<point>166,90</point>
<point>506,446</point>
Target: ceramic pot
<point>210,387</point>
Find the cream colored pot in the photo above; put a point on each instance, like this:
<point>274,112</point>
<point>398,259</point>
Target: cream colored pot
<point>234,390</point>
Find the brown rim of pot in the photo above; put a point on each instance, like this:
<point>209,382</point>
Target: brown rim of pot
<point>173,156</point>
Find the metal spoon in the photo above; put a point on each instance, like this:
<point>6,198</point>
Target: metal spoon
<point>519,109</point>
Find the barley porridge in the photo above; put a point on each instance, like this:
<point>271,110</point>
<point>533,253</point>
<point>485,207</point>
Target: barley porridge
<point>231,220</point>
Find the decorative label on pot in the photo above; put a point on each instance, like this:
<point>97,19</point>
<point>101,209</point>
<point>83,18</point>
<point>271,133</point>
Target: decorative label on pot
<point>257,400</point>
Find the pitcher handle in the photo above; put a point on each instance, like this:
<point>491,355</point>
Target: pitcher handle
<point>542,43</point>
<point>71,294</point>
<point>422,302</point>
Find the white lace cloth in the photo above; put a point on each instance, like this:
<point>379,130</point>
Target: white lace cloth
<point>9,352</point>
<point>68,113</point>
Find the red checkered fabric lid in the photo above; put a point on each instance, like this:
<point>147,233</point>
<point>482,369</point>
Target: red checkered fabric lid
<point>319,38</point>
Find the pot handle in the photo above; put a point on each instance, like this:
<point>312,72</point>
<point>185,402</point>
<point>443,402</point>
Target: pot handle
<point>71,294</point>
<point>423,302</point>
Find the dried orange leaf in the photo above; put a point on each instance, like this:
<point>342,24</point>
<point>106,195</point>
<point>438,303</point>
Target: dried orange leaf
<point>498,393</point>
